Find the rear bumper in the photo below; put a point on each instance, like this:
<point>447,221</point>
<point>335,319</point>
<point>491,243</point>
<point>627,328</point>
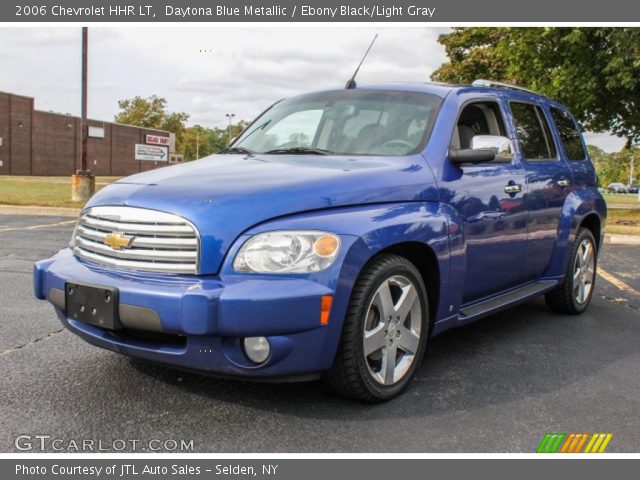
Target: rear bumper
<point>199,323</point>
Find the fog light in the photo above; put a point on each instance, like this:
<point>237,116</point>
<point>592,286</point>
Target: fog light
<point>257,349</point>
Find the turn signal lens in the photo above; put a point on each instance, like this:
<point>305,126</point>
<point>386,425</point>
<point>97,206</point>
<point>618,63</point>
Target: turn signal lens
<point>326,246</point>
<point>325,309</point>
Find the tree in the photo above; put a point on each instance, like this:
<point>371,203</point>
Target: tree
<point>595,72</point>
<point>201,141</point>
<point>615,167</point>
<point>152,113</point>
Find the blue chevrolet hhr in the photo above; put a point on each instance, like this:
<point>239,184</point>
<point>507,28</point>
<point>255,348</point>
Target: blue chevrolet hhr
<point>338,233</point>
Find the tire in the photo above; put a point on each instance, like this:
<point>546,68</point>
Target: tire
<point>567,297</point>
<point>389,284</point>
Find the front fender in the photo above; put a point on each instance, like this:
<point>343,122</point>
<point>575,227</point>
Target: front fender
<point>579,203</point>
<point>374,228</point>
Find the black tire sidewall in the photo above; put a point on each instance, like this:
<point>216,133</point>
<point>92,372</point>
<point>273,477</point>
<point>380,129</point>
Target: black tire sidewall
<point>397,266</point>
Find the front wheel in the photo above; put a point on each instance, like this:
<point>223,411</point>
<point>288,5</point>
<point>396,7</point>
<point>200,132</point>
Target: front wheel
<point>573,295</point>
<point>385,331</point>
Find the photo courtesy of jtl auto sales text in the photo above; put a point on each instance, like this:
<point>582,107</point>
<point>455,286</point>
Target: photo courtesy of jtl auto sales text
<point>265,238</point>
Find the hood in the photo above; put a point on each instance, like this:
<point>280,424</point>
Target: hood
<point>224,195</point>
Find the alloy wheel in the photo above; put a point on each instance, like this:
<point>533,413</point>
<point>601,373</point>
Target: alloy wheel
<point>392,330</point>
<point>584,272</point>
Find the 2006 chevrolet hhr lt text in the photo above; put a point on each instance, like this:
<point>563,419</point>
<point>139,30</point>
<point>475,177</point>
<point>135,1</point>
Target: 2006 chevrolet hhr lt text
<point>338,233</point>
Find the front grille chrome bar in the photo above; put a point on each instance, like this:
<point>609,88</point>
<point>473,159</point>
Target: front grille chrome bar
<point>147,240</point>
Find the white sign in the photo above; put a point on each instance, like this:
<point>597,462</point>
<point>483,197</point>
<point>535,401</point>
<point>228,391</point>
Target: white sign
<point>176,158</point>
<point>151,152</point>
<point>158,140</point>
<point>96,132</point>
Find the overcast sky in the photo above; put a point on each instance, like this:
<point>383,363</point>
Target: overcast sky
<point>209,71</point>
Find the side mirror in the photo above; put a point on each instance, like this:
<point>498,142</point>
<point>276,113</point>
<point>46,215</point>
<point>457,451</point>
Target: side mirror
<point>484,148</point>
<point>501,146</point>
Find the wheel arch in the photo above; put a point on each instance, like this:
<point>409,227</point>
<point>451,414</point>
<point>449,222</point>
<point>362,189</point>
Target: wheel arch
<point>584,207</point>
<point>592,222</point>
<point>425,260</point>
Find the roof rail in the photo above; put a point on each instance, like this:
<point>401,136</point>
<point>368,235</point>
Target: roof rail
<point>490,83</point>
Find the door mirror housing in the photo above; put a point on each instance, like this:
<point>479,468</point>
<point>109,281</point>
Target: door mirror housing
<point>484,148</point>
<point>501,146</point>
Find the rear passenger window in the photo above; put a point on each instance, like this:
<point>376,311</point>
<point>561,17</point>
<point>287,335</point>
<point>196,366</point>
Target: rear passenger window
<point>533,132</point>
<point>569,135</point>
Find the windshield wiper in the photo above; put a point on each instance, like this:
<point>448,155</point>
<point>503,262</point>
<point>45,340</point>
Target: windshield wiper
<point>315,151</point>
<point>240,150</point>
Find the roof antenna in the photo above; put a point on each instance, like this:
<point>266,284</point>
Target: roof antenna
<point>352,81</point>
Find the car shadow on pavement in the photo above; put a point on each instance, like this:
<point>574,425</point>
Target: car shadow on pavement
<point>524,352</point>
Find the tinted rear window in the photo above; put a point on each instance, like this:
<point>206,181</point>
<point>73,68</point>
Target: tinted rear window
<point>569,135</point>
<point>533,132</point>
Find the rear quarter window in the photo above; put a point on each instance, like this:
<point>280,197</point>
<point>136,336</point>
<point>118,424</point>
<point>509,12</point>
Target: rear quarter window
<point>533,132</point>
<point>569,135</point>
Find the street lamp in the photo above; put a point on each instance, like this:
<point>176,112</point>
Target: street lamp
<point>230,117</point>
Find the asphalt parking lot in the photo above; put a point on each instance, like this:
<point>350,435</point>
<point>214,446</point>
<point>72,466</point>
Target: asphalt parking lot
<point>495,386</point>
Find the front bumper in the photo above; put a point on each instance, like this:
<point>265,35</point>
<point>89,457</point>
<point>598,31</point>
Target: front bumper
<point>199,322</point>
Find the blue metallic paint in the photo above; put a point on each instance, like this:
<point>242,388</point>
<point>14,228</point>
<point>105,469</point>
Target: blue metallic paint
<point>372,203</point>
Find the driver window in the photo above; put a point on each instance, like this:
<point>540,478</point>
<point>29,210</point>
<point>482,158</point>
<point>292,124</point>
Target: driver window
<point>477,118</point>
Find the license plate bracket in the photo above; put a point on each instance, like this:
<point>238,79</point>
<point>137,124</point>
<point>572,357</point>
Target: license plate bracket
<point>96,305</point>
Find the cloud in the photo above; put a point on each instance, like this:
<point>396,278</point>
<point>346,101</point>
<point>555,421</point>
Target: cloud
<point>242,70</point>
<point>209,71</point>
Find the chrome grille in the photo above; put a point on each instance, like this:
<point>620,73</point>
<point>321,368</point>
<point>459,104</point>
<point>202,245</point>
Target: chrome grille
<point>138,239</point>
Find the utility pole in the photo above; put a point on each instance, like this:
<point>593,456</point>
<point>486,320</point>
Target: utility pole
<point>83,183</point>
<point>83,123</point>
<point>230,117</point>
<point>197,143</point>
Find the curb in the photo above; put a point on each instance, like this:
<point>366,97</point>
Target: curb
<point>35,210</point>
<point>623,206</point>
<point>613,239</point>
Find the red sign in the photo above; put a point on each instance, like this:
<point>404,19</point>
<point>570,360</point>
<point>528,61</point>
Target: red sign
<point>158,140</point>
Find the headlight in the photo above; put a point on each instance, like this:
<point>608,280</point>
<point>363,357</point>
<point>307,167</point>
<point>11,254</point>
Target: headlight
<point>287,252</point>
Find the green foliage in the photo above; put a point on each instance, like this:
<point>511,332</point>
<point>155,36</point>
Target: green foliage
<point>615,167</point>
<point>193,142</point>
<point>594,71</point>
<point>152,113</point>
<point>202,141</point>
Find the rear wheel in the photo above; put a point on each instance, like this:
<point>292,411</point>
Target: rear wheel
<point>573,295</point>
<point>385,331</point>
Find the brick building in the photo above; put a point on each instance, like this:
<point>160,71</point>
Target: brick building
<point>33,142</point>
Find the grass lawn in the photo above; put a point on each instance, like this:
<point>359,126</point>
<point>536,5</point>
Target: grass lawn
<point>623,222</point>
<point>621,198</point>
<point>42,191</point>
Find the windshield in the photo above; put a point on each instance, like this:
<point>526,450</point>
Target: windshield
<point>359,122</point>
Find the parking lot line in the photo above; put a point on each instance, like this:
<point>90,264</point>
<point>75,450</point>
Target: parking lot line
<point>33,227</point>
<point>617,282</point>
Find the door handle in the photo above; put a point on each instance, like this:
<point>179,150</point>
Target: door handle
<point>513,188</point>
<point>563,182</point>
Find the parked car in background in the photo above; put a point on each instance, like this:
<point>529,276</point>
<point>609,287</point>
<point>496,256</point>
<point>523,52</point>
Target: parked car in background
<point>617,188</point>
<point>632,188</point>
<point>337,234</point>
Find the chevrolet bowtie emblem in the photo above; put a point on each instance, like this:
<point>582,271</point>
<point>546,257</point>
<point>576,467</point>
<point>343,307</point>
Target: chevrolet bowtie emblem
<point>117,241</point>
